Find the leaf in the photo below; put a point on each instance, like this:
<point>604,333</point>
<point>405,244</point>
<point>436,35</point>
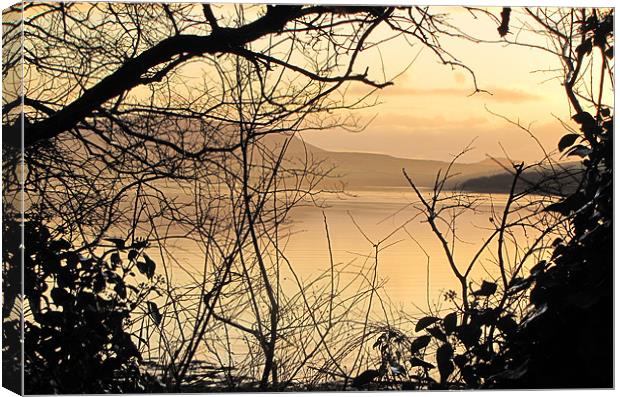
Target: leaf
<point>154,312</point>
<point>416,362</point>
<point>59,245</point>
<point>120,289</point>
<point>99,283</point>
<point>534,314</point>
<point>133,254</point>
<point>486,316</point>
<point>584,118</point>
<point>507,325</point>
<point>469,334</point>
<point>420,343</point>
<point>61,297</point>
<point>444,361</point>
<point>425,322</point>
<point>142,267</point>
<point>147,267</point>
<point>365,378</point>
<point>579,150</point>
<point>605,112</point>
<point>503,28</point>
<point>486,289</point>
<point>519,284</point>
<point>460,360</point>
<point>584,48</point>
<point>118,243</point>
<point>567,141</point>
<point>569,204</point>
<point>540,266</point>
<point>150,266</point>
<point>437,333</point>
<point>115,259</point>
<point>449,323</point>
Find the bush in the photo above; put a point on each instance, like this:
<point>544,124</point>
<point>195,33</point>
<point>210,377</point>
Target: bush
<point>77,312</point>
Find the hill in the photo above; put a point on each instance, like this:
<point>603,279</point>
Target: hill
<point>370,171</point>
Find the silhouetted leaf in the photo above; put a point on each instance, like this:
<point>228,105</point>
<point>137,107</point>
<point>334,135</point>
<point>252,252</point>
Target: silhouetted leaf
<point>469,334</point>
<point>120,289</point>
<point>420,343</point>
<point>118,243</point>
<point>540,266</point>
<point>150,266</point>
<point>507,325</point>
<point>567,141</point>
<point>416,362</point>
<point>502,29</point>
<point>534,314</point>
<point>460,360</point>
<point>469,375</point>
<point>115,259</point>
<point>59,245</point>
<point>519,284</point>
<point>486,316</point>
<point>605,112</point>
<point>425,322</point>
<point>437,333</point>
<point>365,378</point>
<point>579,150</point>
<point>449,323</point>
<point>584,48</point>
<point>486,289</point>
<point>154,312</point>
<point>584,118</point>
<point>133,254</point>
<point>572,203</point>
<point>444,361</point>
<point>99,284</point>
<point>61,297</point>
<point>147,267</point>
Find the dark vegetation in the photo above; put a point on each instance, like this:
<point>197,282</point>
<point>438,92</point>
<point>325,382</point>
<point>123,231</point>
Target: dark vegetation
<point>81,307</point>
<point>564,337</point>
<point>100,163</point>
<point>560,182</point>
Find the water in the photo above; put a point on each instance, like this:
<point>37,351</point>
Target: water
<point>411,260</point>
<point>370,229</point>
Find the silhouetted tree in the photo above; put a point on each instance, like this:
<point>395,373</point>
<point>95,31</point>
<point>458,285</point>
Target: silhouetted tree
<point>135,128</point>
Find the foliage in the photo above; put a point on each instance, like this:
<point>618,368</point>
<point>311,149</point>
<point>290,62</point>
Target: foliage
<point>78,309</point>
<point>565,337</point>
<point>566,340</point>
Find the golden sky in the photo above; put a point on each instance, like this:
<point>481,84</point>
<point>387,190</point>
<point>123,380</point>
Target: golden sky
<point>430,113</point>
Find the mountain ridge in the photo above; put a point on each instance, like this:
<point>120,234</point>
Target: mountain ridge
<point>375,170</point>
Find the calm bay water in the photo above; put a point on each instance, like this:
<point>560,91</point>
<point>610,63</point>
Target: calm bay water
<point>366,228</point>
<point>410,258</point>
<point>409,277</point>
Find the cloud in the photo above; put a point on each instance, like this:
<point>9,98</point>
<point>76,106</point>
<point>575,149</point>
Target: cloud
<point>493,94</point>
<point>409,122</point>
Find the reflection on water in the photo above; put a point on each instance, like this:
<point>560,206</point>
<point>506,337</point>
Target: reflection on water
<point>388,217</point>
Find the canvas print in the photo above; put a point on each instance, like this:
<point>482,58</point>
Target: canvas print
<point>203,197</point>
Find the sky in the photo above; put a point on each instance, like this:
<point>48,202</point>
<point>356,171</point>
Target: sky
<point>429,113</point>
